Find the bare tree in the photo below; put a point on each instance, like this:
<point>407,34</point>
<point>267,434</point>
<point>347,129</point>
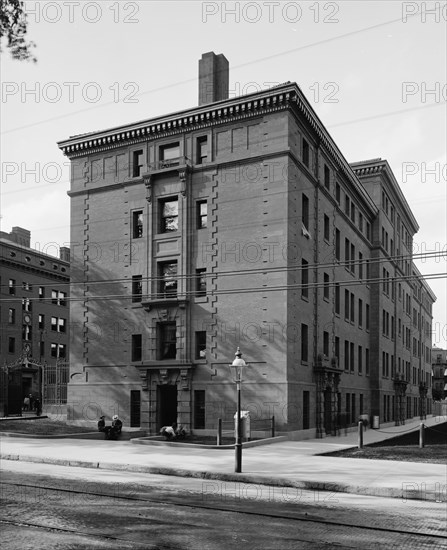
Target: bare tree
<point>13,28</point>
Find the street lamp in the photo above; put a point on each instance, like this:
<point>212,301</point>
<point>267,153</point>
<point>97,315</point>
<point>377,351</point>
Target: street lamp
<point>238,365</point>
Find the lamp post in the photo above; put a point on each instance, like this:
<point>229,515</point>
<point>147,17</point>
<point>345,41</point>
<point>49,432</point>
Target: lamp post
<point>238,365</point>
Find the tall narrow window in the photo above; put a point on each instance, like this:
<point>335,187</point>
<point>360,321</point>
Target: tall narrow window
<point>337,193</point>
<point>11,344</point>
<point>360,359</point>
<point>137,288</point>
<point>337,298</point>
<point>327,177</point>
<point>41,321</point>
<point>201,344</point>
<point>202,214</point>
<point>351,357</point>
<point>12,286</point>
<point>326,286</point>
<point>167,341</point>
<point>41,293</point>
<point>337,244</point>
<point>137,163</point>
<point>11,316</point>
<point>201,282</point>
<point>169,215</point>
<point>367,361</point>
<point>346,305</point>
<point>304,343</point>
<point>346,355</point>
<point>304,279</point>
<point>137,224</point>
<point>352,317</point>
<point>136,353</point>
<point>168,279</point>
<point>202,149</point>
<point>326,343</point>
<point>360,313</point>
<point>326,228</point>
<point>306,154</point>
<point>305,211</point>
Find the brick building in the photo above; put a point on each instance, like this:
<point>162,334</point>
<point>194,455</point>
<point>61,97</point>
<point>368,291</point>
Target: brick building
<point>34,315</point>
<point>240,223</point>
<point>439,378</point>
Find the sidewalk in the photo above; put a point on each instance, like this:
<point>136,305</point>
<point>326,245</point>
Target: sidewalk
<point>287,463</point>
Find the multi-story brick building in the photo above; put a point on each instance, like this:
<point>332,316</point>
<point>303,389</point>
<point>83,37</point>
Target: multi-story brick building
<point>439,373</point>
<point>240,223</point>
<point>34,315</point>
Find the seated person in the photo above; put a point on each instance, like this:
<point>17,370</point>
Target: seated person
<point>117,425</point>
<point>101,424</point>
<point>169,432</point>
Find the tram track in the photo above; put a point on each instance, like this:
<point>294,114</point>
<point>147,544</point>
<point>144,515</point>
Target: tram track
<point>169,500</point>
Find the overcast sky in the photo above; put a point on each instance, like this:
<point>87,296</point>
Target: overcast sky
<point>375,73</point>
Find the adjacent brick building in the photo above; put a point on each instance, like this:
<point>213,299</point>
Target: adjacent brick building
<point>439,380</point>
<point>240,223</point>
<point>34,315</point>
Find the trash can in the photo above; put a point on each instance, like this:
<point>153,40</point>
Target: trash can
<point>376,423</point>
<point>245,424</point>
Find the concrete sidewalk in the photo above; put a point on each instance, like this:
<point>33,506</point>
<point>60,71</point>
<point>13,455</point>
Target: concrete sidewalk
<point>289,463</point>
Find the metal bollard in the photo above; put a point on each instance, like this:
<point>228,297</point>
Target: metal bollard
<point>360,444</point>
<point>421,436</point>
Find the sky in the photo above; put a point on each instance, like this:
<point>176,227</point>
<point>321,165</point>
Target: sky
<point>375,73</point>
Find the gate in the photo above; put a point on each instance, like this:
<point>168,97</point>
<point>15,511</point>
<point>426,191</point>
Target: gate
<point>11,390</point>
<point>55,380</point>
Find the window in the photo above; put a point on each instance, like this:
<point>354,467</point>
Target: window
<point>41,321</point>
<point>360,359</point>
<point>12,286</point>
<point>346,305</point>
<point>202,149</point>
<point>167,341</point>
<point>368,231</point>
<point>337,244</point>
<point>304,343</point>
<point>26,304</point>
<point>58,350</point>
<point>352,212</point>
<point>347,249</point>
<point>137,224</point>
<point>360,266</point>
<point>326,343</point>
<point>136,352</point>
<point>360,313</point>
<point>352,308</point>
<point>27,286</point>
<point>201,344</point>
<point>361,222</point>
<point>41,348</point>
<point>347,205</point>
<point>352,265</point>
<point>41,293</point>
<point>61,325</point>
<point>304,279</point>
<point>337,298</point>
<point>346,355</point>
<point>58,298</point>
<point>337,349</point>
<point>305,211</point>
<point>199,409</point>
<point>137,163</point>
<point>170,155</point>
<point>327,177</point>
<point>137,288</point>
<point>337,193</point>
<point>367,317</point>
<point>202,214</point>
<point>306,155</point>
<point>54,323</point>
<point>26,333</point>
<point>168,279</point>
<point>326,286</point>
<point>11,345</point>
<point>169,215</point>
<point>326,228</point>
<point>367,362</point>
<point>201,282</point>
<point>351,357</point>
<point>11,316</point>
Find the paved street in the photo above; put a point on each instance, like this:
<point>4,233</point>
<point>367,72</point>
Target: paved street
<point>73,508</point>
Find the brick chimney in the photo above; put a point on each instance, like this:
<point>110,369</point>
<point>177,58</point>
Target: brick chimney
<point>21,236</point>
<point>64,253</point>
<point>213,78</point>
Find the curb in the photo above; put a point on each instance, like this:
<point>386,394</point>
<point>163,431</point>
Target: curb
<point>310,485</point>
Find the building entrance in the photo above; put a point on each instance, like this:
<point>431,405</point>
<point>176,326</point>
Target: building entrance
<point>166,405</point>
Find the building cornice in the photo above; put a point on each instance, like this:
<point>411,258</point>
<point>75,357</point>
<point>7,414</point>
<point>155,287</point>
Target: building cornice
<point>381,167</point>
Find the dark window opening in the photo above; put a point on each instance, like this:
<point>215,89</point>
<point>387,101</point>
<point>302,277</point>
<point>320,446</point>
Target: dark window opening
<point>167,341</point>
<point>168,279</point>
<point>202,214</point>
<point>306,153</point>
<point>199,409</point>
<point>201,344</point>
<point>202,149</point>
<point>137,288</point>
<point>136,347</point>
<point>170,155</point>
<point>137,163</point>
<point>169,215</point>
<point>137,224</point>
<point>305,211</point>
<point>201,282</point>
